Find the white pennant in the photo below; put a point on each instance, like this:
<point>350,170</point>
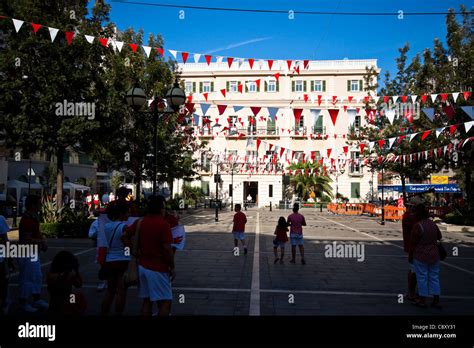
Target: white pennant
<point>433,97</point>
<point>53,32</point>
<point>17,23</point>
<point>371,145</point>
<point>438,131</point>
<point>468,125</point>
<point>413,98</point>
<point>426,154</point>
<point>445,147</point>
<point>147,50</point>
<point>119,45</point>
<point>351,114</point>
<point>358,100</point>
<point>196,57</point>
<point>390,142</point>
<point>219,59</point>
<point>455,96</point>
<point>89,38</point>
<point>376,99</point>
<point>173,53</point>
<point>390,115</point>
<point>412,136</point>
<point>394,98</point>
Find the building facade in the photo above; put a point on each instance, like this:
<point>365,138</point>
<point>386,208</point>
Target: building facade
<point>253,147</point>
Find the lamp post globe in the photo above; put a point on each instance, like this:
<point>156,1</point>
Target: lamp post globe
<point>175,97</point>
<point>135,97</point>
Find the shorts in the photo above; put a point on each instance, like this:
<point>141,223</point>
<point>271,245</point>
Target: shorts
<point>239,235</point>
<point>116,269</point>
<point>296,239</point>
<point>154,285</point>
<point>279,243</point>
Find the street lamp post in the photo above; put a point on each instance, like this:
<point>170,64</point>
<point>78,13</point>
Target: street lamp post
<point>175,98</point>
<point>382,222</point>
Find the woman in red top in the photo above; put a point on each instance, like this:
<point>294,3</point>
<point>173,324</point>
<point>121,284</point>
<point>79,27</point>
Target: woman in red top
<point>280,239</point>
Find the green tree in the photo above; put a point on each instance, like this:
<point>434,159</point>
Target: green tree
<point>303,184</point>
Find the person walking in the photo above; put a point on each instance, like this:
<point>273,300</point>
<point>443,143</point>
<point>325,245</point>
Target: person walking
<point>238,227</point>
<point>425,257</point>
<point>296,221</point>
<point>155,258</point>
<point>280,239</point>
<point>409,220</point>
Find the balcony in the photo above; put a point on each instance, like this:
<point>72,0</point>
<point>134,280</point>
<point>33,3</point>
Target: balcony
<point>205,132</point>
<point>315,130</point>
<point>299,132</point>
<point>261,132</point>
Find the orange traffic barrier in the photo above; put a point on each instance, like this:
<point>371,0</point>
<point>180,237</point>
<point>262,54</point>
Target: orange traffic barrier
<point>393,213</point>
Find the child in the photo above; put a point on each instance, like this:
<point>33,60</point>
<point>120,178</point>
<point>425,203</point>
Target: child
<point>280,239</point>
<point>296,222</point>
<point>239,227</point>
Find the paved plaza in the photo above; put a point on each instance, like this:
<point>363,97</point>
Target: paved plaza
<point>210,280</point>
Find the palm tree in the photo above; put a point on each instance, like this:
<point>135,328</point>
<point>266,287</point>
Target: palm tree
<point>303,184</point>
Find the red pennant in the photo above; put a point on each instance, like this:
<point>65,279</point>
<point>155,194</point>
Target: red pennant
<point>69,36</point>
<point>281,151</point>
<point>229,61</point>
<point>258,83</point>
<point>329,152</point>
<point>409,116</point>
<point>366,98</point>
<point>361,146</point>
<point>385,99</point>
<point>320,98</point>
<point>423,98</point>
<point>258,143</point>
<point>270,64</point>
<point>305,97</point>
<point>133,47</point>
<point>251,60</point>
<point>349,98</point>
<point>404,98</point>
<point>381,142</point>
<point>190,107</point>
<point>205,95</point>
<point>334,99</point>
<point>345,148</point>
<point>400,138</point>
<point>289,62</point>
<point>305,63</point>
<point>255,110</point>
<point>103,41</point>
<point>184,55</point>
<point>297,69</point>
<point>160,50</point>
<point>444,96</point>
<point>35,27</point>
<point>345,108</point>
<point>357,110</point>
<point>190,98</point>
<point>452,129</point>
<point>449,111</point>
<point>223,92</point>
<point>425,134</point>
<point>466,95</point>
<point>208,58</point>
<point>297,113</point>
<point>333,113</point>
<point>221,108</point>
<point>240,88</point>
<point>277,76</point>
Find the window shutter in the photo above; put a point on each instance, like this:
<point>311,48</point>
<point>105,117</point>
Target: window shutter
<point>324,85</point>
<point>227,84</point>
<point>304,86</point>
<point>212,86</point>
<point>200,87</point>
<point>319,121</point>
<point>246,86</point>
<point>360,85</point>
<point>348,85</point>
<point>278,86</point>
<point>194,87</point>
<point>312,86</point>
<point>266,88</point>
<point>292,86</point>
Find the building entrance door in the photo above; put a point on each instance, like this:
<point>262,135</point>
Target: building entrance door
<point>251,193</point>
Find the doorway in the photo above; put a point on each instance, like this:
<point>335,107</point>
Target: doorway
<point>251,192</point>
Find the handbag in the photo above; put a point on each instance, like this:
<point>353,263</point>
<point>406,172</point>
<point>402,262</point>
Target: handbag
<point>104,271</point>
<point>130,276</point>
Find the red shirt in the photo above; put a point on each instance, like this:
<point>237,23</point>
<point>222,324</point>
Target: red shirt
<point>171,219</point>
<point>281,235</point>
<point>29,229</point>
<point>239,222</point>
<point>408,221</point>
<point>155,233</point>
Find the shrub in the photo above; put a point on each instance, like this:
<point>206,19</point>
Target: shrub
<point>51,229</point>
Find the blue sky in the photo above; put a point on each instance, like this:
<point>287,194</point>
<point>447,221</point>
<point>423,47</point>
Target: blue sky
<point>274,36</point>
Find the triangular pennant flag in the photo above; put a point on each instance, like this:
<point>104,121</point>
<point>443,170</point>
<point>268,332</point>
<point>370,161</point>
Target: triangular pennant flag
<point>89,38</point>
<point>425,134</point>
<point>390,114</point>
<point>394,98</point>
<point>452,128</point>
<point>468,110</point>
<point>229,61</point>
<point>413,98</point>
<point>184,56</point>
<point>134,46</point>
<point>333,113</point>
<point>272,111</point>
<point>119,45</point>
<point>240,88</point>
<point>429,112</point>
<point>204,108</point>
<point>17,23</point>
<point>371,145</point>
<point>466,95</point>
<point>361,147</point>
<point>376,99</point>
<point>423,98</point>
<point>52,33</point>
<point>297,69</point>
<point>385,99</point>
<point>345,149</point>
<point>390,142</point>
<point>289,62</point>
<point>412,136</point>
<point>404,98</point>
<point>381,143</point>
<point>208,58</point>
<point>468,125</point>
<point>147,50</point>
<point>255,110</point>
<point>258,143</point>
<point>196,56</point>
<point>444,96</point>
<point>69,36</point>
<point>237,108</point>
<point>297,114</point>
<point>196,119</point>
<point>305,63</point>
<point>277,76</point>
<point>35,26</point>
<point>329,152</point>
<point>103,41</point>
<point>349,98</point>
<point>433,97</point>
<point>223,91</point>
<point>320,97</point>
<point>439,131</point>
<point>251,61</point>
<point>334,99</point>
<point>173,52</point>
<point>351,114</point>
<point>455,96</point>
<point>270,64</point>
<point>449,111</point>
<point>206,95</point>
<point>160,51</point>
<point>221,108</point>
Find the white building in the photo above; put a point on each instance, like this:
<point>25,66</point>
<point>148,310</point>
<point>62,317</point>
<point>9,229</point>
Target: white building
<point>322,85</point>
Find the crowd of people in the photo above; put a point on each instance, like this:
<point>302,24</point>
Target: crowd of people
<point>127,243</point>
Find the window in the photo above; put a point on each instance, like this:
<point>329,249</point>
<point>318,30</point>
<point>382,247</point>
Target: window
<point>232,86</point>
<point>299,125</point>
<point>206,125</point>
<point>205,162</point>
<point>298,86</point>
<point>205,188</point>
<point>252,127</point>
<point>271,86</point>
<point>355,189</point>
<point>318,125</point>
<point>355,164</point>
<point>270,191</point>
<point>298,156</point>
<point>205,87</point>
<point>318,86</point>
<point>252,87</point>
<point>252,156</point>
<point>84,159</point>
<point>66,157</point>
<point>271,126</point>
<point>354,85</point>
<point>233,125</point>
<point>190,86</point>
<point>357,121</point>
